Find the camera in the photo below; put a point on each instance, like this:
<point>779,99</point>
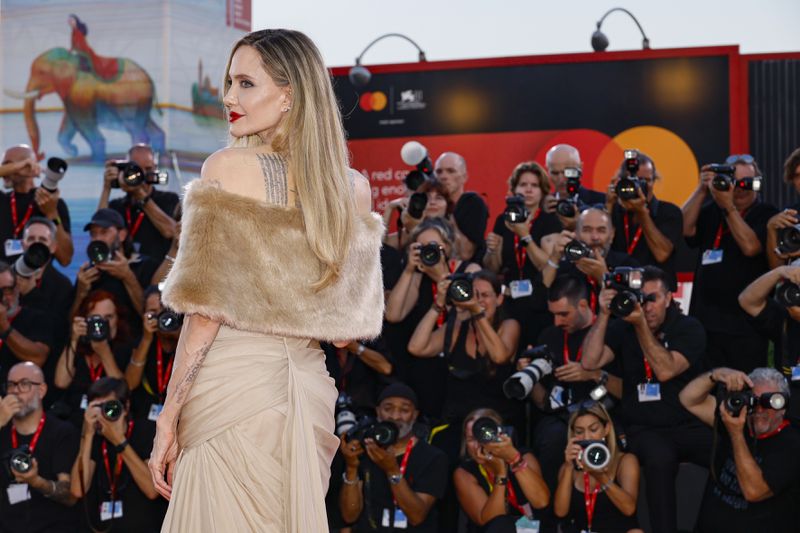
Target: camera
<point>460,289</point>
<point>111,410</point>
<point>168,320</point>
<point>430,254</point>
<point>595,454</point>
<point>628,188</point>
<point>97,328</point>
<point>576,250</point>
<point>416,155</point>
<point>788,239</point>
<point>35,257</point>
<point>20,459</point>
<point>627,281</point>
<point>520,384</point>
<point>383,433</point>
<point>516,212</point>
<point>723,179</point>
<point>98,252</point>
<point>573,177</point>
<point>345,416</point>
<point>133,175</point>
<point>53,173</point>
<point>735,401</point>
<point>567,207</point>
<point>417,203</point>
<point>485,430</point>
<point>787,294</point>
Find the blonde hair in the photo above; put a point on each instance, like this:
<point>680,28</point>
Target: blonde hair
<point>474,415</point>
<point>599,411</point>
<point>312,139</point>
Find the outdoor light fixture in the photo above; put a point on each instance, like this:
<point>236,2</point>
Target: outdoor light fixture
<point>360,75</point>
<point>600,40</point>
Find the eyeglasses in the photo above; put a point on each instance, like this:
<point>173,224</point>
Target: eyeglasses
<point>8,290</point>
<point>747,159</point>
<point>23,385</point>
<point>581,406</point>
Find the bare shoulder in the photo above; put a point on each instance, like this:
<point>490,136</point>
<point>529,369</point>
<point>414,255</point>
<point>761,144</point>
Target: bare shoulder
<point>218,166</point>
<point>363,191</point>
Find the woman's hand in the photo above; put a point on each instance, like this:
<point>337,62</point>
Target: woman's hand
<point>504,449</point>
<point>496,465</point>
<point>79,327</point>
<point>572,452</point>
<point>163,458</point>
<point>441,291</point>
<point>414,262</point>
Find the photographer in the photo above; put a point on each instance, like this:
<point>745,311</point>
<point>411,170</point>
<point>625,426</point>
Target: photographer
<point>26,200</point>
<point>110,470</point>
<point>658,350</point>
<point>394,487</point>
<point>146,209</point>
<point>646,228</point>
<point>112,267</point>
<point>51,291</point>
<point>36,495</point>
<point>581,484</point>
<point>755,467</point>
<point>90,355</point>
<point>437,204</point>
<point>786,218</point>
<point>477,347</point>
<point>150,367</point>
<point>779,321</point>
<point>512,249</point>
<point>730,232</point>
<point>497,485</point>
<point>559,158</point>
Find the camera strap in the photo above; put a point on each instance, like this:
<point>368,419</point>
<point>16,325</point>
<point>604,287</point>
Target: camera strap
<point>19,226</point>
<point>592,293</point>
<point>589,499</point>
<point>723,229</point>
<point>112,480</point>
<point>636,236</point>
<point>522,251</point>
<point>162,376</point>
<point>134,228</point>
<point>566,350</point>
<point>34,439</point>
<point>511,495</point>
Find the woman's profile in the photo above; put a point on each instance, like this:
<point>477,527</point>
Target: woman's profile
<point>277,241</point>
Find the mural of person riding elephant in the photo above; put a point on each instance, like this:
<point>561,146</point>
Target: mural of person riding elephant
<point>96,91</point>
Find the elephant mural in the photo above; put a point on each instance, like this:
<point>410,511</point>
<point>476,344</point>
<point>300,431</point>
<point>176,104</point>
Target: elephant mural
<point>123,102</point>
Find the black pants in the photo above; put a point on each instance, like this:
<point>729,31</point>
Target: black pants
<point>660,451</point>
<point>741,352</point>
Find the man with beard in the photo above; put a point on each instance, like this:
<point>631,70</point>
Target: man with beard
<point>35,495</point>
<point>393,487</point>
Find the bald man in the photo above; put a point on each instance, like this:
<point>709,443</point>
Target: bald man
<point>38,499</point>
<point>25,200</point>
<point>559,158</point>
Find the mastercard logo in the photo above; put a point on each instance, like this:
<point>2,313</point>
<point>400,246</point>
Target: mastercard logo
<point>374,101</point>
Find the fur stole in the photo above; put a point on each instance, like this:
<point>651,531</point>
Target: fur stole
<point>247,264</point>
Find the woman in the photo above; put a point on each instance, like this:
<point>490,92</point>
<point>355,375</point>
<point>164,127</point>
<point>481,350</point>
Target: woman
<point>478,345</point>
<point>438,204</point>
<point>496,483</point>
<point>596,500</point>
<point>83,361</point>
<point>277,240</point>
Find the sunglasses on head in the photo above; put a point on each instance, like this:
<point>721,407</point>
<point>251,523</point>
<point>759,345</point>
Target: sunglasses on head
<point>740,158</point>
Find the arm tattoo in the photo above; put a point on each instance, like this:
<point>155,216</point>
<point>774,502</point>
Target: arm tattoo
<point>61,493</point>
<point>185,385</point>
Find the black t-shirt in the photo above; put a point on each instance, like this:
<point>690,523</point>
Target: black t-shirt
<point>35,326</point>
<point>727,510</point>
<point>24,201</point>
<point>588,197</point>
<point>717,286</point>
<point>139,514</point>
<point>678,333</point>
<point>54,297</point>
<point>150,241</point>
<point>426,473</point>
<point>54,452</point>
<point>667,217</point>
<point>147,393</point>
<point>613,259</point>
<point>354,377</point>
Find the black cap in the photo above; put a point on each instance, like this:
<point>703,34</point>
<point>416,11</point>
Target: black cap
<point>106,218</point>
<point>398,390</point>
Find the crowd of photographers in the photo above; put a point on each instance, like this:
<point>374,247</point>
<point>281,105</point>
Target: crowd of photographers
<point>535,373</point>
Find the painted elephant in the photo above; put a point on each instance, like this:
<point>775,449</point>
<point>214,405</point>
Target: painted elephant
<point>123,102</point>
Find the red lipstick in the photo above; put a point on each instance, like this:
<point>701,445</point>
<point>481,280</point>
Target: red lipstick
<point>233,116</point>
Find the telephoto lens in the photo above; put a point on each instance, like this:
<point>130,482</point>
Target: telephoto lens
<point>53,173</point>
<point>595,454</point>
<point>35,257</point>
<point>430,254</point>
<point>485,430</point>
<point>520,384</point>
<point>345,416</point>
<point>417,203</point>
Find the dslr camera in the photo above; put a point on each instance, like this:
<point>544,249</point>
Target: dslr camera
<point>723,179</point>
<point>133,175</point>
<point>19,460</point>
<point>430,254</point>
<point>112,410</point>
<point>460,289</point>
<point>97,329</point>
<point>35,258</point>
<point>416,155</point>
<point>788,240</point>
<point>520,384</point>
<point>628,187</point>
<point>53,173</point>
<point>485,430</point>
<point>575,250</point>
<point>417,203</point>
<point>168,320</point>
<point>383,433</point>
<point>595,454</point>
<point>98,252</point>
<point>568,207</point>
<point>627,281</point>
<point>516,212</point>
<point>735,401</point>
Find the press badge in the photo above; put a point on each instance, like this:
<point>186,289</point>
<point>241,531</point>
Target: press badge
<point>521,288</point>
<point>105,511</point>
<point>400,519</point>
<point>557,397</point>
<point>155,410</point>
<point>712,257</point>
<point>796,373</point>
<point>13,247</point>
<point>649,392</point>
<point>18,492</point>
<point>526,525</point>
<point>84,402</point>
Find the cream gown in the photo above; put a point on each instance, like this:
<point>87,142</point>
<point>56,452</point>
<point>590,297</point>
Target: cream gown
<point>256,432</point>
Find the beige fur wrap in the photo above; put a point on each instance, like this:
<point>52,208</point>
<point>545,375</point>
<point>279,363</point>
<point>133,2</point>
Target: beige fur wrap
<point>247,264</point>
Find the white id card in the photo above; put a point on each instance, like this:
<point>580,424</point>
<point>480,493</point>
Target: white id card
<point>796,373</point>
<point>649,392</point>
<point>712,257</point>
<point>400,519</point>
<point>84,402</point>
<point>556,397</point>
<point>18,492</point>
<point>13,247</point>
<point>105,511</point>
<point>526,525</point>
<point>155,410</point>
<point>521,288</point>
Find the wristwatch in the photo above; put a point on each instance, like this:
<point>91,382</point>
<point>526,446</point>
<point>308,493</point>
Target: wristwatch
<point>502,480</point>
<point>119,448</point>
<point>395,479</point>
<point>526,240</point>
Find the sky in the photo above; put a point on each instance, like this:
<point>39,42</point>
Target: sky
<point>468,29</point>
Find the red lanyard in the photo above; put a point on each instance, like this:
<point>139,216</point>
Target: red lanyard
<point>510,493</point>
<point>133,229</point>
<point>118,467</point>
<point>648,371</point>
<point>636,236</point>
<point>590,499</point>
<point>94,372</point>
<point>566,350</point>
<point>521,251</point>
<point>19,226</point>
<point>592,293</point>
<point>162,377</point>
<point>772,433</point>
<point>34,439</point>
<point>404,461</point>
<point>435,288</point>
<point>721,232</point>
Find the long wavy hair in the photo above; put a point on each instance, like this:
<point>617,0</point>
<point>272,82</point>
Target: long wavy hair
<point>312,139</point>
<point>599,412</point>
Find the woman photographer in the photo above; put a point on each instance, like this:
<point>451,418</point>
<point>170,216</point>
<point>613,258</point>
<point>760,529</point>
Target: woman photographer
<point>497,485</point>
<point>596,499</point>
<point>90,355</point>
<point>438,204</point>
